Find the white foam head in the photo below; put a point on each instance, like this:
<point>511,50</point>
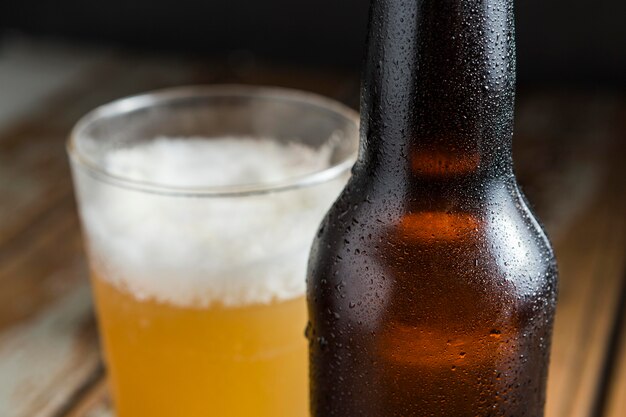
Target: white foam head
<point>197,251</point>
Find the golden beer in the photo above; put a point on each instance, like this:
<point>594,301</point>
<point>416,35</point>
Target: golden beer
<point>243,361</point>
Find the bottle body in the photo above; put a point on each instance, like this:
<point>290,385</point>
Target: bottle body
<point>418,310</point>
<point>431,286</point>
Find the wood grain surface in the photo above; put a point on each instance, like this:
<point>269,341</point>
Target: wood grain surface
<point>615,405</point>
<point>569,152</point>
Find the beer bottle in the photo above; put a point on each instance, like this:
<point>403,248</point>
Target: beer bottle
<point>431,285</point>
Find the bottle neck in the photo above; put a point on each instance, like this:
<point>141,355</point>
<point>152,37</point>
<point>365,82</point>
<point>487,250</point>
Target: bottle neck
<point>438,88</point>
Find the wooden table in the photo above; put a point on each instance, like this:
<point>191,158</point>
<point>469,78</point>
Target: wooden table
<point>570,151</point>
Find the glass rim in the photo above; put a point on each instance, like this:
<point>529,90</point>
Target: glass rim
<point>132,103</point>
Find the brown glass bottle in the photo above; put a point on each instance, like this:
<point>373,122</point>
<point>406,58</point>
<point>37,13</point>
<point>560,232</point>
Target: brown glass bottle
<point>431,285</point>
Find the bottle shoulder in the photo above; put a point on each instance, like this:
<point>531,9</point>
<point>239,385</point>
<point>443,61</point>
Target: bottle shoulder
<point>483,204</point>
<point>495,228</point>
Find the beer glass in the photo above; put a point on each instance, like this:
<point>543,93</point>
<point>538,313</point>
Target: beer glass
<point>198,207</point>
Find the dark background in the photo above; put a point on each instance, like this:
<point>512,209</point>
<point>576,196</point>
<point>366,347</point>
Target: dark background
<point>560,42</point>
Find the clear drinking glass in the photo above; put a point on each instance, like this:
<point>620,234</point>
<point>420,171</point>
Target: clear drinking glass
<point>198,208</point>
